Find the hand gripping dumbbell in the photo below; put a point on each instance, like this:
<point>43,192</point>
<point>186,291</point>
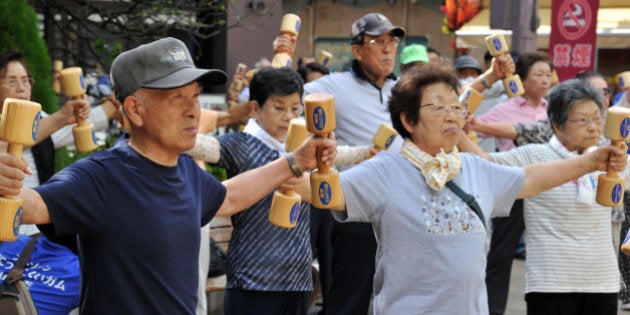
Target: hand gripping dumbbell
<point>18,127</point>
<point>320,120</point>
<point>384,137</point>
<point>290,25</point>
<point>285,205</point>
<point>473,98</point>
<point>610,186</point>
<point>497,47</point>
<point>73,88</point>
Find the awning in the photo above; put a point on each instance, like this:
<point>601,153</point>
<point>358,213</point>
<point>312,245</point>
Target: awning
<point>613,29</point>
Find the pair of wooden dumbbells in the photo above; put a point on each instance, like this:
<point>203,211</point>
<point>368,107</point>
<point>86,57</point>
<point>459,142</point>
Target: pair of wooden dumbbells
<point>325,187</point>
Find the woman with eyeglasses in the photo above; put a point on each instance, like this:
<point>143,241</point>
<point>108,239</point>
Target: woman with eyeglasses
<point>431,244</point>
<point>571,265</point>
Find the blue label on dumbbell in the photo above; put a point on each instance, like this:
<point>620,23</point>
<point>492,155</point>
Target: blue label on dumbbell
<point>298,23</point>
<point>389,141</point>
<point>497,44</point>
<point>617,193</point>
<point>621,82</point>
<point>17,220</point>
<point>325,61</point>
<point>325,193</point>
<point>513,87</point>
<point>82,82</point>
<point>295,210</point>
<point>319,118</point>
<point>624,128</point>
<point>35,126</point>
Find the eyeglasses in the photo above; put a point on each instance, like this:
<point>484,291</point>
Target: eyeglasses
<point>587,121</point>
<point>13,83</point>
<point>459,108</point>
<point>382,42</point>
<point>294,111</point>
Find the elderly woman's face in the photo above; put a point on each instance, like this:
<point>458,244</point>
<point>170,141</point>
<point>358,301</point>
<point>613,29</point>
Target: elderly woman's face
<point>583,127</point>
<point>538,80</point>
<point>441,119</point>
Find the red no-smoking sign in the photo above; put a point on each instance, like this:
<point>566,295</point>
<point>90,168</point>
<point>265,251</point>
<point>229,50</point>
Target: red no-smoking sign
<point>574,18</point>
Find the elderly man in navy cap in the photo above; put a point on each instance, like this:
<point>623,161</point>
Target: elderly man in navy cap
<point>361,97</point>
<point>139,206</point>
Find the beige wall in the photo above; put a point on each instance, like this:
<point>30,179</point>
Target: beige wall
<point>326,18</point>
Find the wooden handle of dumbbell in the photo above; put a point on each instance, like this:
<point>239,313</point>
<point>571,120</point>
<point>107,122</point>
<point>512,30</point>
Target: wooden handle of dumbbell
<point>610,172</point>
<point>322,167</point>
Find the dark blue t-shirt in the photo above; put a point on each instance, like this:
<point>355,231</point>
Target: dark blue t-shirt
<point>139,229</point>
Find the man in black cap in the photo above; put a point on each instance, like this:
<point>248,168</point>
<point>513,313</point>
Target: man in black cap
<point>361,97</point>
<point>139,206</point>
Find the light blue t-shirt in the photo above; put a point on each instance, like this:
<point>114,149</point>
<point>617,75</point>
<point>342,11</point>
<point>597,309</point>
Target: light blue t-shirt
<point>430,257</point>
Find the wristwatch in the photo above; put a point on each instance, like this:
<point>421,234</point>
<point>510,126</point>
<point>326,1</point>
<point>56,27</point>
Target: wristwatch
<point>295,168</point>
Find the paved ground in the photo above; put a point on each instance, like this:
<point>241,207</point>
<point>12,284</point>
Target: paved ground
<point>516,302</point>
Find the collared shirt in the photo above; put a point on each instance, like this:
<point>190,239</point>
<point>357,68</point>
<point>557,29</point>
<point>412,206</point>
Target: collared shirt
<point>515,110</point>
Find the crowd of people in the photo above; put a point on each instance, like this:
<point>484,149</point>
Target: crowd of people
<point>429,226</point>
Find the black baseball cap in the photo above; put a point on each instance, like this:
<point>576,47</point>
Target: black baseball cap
<point>375,24</point>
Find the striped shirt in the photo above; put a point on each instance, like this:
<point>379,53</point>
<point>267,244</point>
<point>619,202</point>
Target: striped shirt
<point>569,244</point>
<point>262,256</point>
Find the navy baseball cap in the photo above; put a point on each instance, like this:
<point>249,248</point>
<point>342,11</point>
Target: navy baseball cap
<point>163,64</point>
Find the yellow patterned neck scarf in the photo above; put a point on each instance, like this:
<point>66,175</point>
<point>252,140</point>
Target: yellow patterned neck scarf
<point>438,169</point>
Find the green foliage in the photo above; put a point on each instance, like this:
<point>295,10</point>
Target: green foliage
<point>19,25</point>
<point>218,172</point>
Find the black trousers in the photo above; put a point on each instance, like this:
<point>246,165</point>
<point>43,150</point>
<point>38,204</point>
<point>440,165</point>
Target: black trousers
<point>571,303</point>
<point>321,244</point>
<point>245,302</point>
<point>506,232</point>
<point>354,251</point>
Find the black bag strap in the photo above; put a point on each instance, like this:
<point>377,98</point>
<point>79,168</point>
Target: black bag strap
<point>18,270</point>
<point>469,200</point>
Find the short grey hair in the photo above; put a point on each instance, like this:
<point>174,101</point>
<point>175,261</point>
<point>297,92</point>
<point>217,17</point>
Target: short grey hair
<point>565,95</point>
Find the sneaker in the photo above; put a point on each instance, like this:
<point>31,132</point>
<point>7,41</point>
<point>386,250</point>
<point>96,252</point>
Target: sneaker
<point>625,306</point>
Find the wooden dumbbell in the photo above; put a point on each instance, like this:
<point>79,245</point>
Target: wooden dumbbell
<point>473,98</point>
<point>320,120</point>
<point>497,47</point>
<point>239,75</point>
<point>384,137</point>
<point>57,66</point>
<point>624,80</point>
<point>291,26</point>
<point>73,88</point>
<point>18,127</point>
<point>324,58</point>
<point>610,186</point>
<point>285,205</point>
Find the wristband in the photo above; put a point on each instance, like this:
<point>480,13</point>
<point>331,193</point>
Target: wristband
<point>483,81</point>
<point>295,168</point>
